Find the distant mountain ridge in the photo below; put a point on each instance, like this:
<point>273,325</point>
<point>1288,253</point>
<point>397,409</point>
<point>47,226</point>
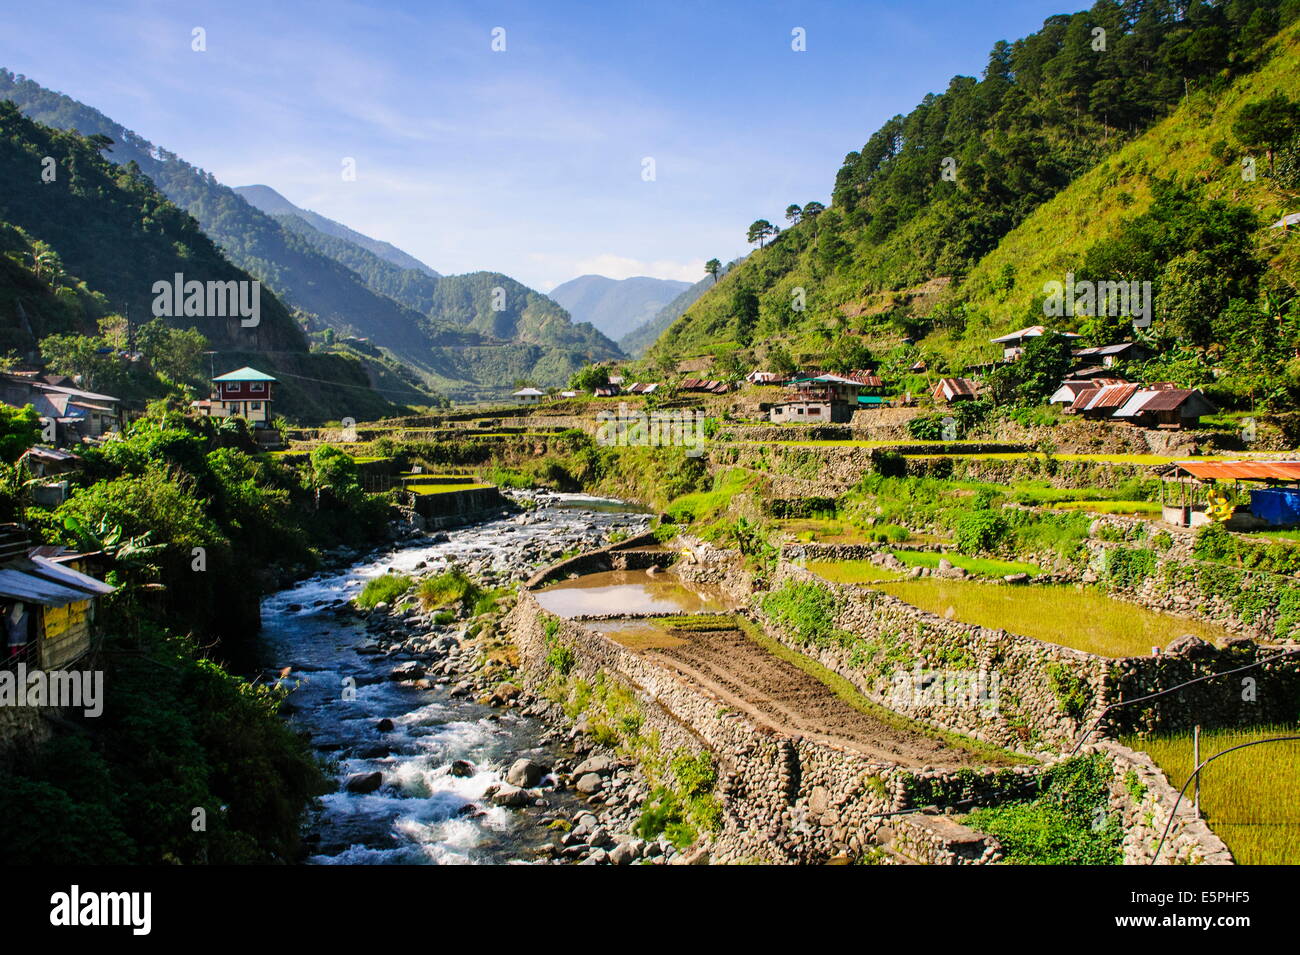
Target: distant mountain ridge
<point>273,204</point>
<point>349,283</point>
<point>616,307</point>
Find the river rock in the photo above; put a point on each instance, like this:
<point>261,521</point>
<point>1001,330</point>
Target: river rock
<point>525,773</point>
<point>462,769</point>
<point>624,853</point>
<point>1189,646</point>
<point>411,670</point>
<point>508,795</point>
<point>597,764</point>
<point>362,783</point>
<point>504,693</point>
<point>590,784</point>
<point>385,725</point>
<point>1016,578</point>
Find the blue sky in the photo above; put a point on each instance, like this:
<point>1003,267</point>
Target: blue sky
<point>527,161</point>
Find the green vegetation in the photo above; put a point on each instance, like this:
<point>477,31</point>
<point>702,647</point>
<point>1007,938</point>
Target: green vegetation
<point>452,588</point>
<point>1085,619</point>
<point>1070,823</point>
<point>385,588</point>
<point>851,571</point>
<point>975,565</point>
<point>806,611</point>
<point>1248,797</point>
<point>178,736</point>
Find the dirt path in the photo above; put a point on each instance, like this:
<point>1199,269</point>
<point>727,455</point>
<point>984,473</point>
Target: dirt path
<point>778,694</point>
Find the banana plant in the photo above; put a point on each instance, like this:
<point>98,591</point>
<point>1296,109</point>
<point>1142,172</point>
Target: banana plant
<point>112,541</point>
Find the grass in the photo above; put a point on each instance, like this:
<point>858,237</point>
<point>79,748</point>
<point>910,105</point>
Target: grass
<point>383,589</point>
<point>846,691</point>
<point>1132,508</point>
<point>851,571</point>
<point>984,566</point>
<point>1248,797</point>
<point>1085,619</point>
<point>450,588</point>
<point>1285,537</point>
<point>821,530</point>
<point>443,488</point>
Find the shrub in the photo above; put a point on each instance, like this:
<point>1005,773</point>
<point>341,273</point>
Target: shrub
<point>806,609</point>
<point>980,530</point>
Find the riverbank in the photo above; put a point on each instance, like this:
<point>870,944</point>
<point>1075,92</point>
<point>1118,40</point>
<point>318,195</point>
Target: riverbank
<point>437,752</point>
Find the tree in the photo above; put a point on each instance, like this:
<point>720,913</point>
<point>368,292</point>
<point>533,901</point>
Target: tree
<point>760,231</point>
<point>173,352</point>
<point>793,214</point>
<point>589,378</point>
<point>780,362</point>
<point>1032,378</point>
<point>744,305</point>
<point>81,356</point>
<point>19,429</point>
<point>713,267</point>
<point>812,210</point>
<point>1267,124</point>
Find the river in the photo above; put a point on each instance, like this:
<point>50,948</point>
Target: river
<point>422,815</point>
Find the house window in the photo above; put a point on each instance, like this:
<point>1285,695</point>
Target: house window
<point>255,406</point>
<point>799,410</point>
<point>257,387</point>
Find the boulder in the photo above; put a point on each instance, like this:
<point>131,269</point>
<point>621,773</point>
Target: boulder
<point>1189,646</point>
<point>596,764</point>
<point>1016,578</point>
<point>590,784</point>
<point>385,725</point>
<point>507,795</point>
<point>362,783</point>
<point>525,773</point>
<point>462,769</point>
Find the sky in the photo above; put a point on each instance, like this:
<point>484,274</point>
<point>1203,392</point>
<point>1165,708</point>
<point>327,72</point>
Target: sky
<point>615,138</point>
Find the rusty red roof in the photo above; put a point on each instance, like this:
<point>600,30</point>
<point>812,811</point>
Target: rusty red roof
<point>1243,470</point>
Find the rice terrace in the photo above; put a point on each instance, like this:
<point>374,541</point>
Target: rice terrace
<point>803,434</point>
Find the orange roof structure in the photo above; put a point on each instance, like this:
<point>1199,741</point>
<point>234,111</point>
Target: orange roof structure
<point>1242,470</point>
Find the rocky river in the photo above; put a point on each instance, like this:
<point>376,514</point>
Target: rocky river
<point>429,767</point>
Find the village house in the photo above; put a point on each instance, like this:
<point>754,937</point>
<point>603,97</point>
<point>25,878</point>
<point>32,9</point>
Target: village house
<point>763,378</point>
<point>1108,355</point>
<point>243,393</point>
<point>950,390</point>
<point>1167,407</point>
<point>78,415</point>
<point>1013,343</point>
<point>706,385</point>
<point>528,396</point>
<point>58,603</point>
<point>642,388</point>
<point>822,399</point>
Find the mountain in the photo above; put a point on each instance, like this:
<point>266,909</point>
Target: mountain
<point>274,204</point>
<point>916,213</point>
<point>346,288</point>
<point>616,307</point>
<point>641,338</point>
<point>93,241</point>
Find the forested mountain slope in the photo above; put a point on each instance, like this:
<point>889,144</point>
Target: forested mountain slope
<point>343,286</point>
<point>910,245</point>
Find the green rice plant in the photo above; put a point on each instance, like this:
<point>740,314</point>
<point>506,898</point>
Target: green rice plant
<point>983,566</point>
<point>1249,797</point>
<point>1086,619</point>
<point>851,571</point>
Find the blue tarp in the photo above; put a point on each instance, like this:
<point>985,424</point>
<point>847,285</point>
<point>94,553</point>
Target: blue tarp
<point>1276,505</point>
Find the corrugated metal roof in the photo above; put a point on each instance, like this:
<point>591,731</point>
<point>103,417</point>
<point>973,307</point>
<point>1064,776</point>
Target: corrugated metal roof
<point>244,374</point>
<point>1167,399</point>
<point>15,585</point>
<point>64,575</point>
<point>1243,470</point>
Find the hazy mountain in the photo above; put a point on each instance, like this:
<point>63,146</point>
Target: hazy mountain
<point>272,203</point>
<point>616,307</point>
